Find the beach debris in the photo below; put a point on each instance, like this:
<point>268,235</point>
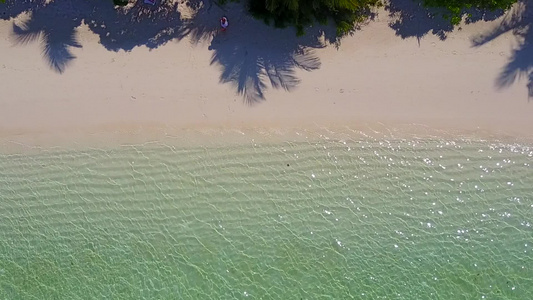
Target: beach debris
<point>151,2</point>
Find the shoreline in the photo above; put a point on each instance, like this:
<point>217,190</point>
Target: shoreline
<point>374,77</point>
<point>215,137</point>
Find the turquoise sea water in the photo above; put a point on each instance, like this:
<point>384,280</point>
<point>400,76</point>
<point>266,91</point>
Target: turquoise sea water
<point>331,219</point>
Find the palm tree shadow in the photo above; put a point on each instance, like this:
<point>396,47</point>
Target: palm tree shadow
<point>254,56</point>
<point>55,23</point>
<point>56,40</point>
<point>519,21</point>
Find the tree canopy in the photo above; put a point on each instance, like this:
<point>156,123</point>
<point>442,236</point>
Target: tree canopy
<point>456,8</point>
<point>345,13</point>
<point>348,13</point>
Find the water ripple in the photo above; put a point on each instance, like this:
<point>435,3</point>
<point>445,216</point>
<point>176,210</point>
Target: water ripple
<point>348,218</point>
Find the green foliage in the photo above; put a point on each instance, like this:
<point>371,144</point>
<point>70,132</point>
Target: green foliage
<point>120,2</point>
<point>456,8</point>
<point>300,13</point>
<point>224,2</point>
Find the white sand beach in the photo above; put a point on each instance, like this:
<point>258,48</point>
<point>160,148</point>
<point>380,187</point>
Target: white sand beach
<point>61,87</point>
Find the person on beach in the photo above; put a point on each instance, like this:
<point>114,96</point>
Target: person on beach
<point>224,23</point>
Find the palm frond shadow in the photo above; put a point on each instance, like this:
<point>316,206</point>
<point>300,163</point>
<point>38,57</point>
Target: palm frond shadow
<point>254,57</point>
<point>54,23</point>
<point>519,21</point>
<point>56,41</point>
<point>250,67</point>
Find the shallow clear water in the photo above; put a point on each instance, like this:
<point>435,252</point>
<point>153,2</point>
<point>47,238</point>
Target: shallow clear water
<point>376,219</point>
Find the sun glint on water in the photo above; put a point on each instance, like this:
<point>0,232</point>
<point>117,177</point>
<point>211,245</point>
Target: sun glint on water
<point>335,219</point>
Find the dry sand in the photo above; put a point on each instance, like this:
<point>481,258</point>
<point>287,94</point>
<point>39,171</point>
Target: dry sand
<point>69,87</point>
